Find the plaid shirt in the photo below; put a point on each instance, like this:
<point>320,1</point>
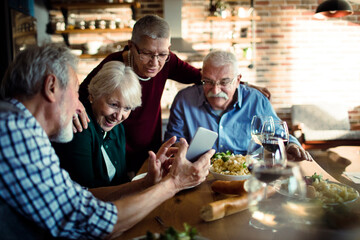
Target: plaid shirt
<point>32,182</point>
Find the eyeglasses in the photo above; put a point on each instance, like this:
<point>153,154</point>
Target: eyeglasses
<point>221,83</point>
<point>146,57</point>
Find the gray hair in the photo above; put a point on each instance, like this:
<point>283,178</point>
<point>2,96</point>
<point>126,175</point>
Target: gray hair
<point>218,58</point>
<point>25,75</point>
<point>115,75</point>
<point>152,26</point>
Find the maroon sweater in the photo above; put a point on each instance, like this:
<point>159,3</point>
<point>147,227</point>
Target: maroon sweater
<point>143,127</point>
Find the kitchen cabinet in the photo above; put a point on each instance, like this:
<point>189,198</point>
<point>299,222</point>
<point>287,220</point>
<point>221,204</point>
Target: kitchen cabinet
<point>24,32</point>
<point>89,5</point>
<point>105,30</point>
<point>84,24</point>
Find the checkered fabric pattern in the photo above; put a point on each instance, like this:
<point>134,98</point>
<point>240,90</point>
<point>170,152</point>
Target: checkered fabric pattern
<point>32,182</point>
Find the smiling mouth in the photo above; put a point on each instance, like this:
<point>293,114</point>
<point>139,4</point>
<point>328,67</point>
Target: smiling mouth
<point>109,122</point>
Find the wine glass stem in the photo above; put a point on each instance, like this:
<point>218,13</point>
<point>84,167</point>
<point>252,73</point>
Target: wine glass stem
<point>265,191</point>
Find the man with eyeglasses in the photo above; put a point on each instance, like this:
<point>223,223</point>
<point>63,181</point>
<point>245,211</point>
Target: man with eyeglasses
<point>223,105</point>
<point>148,53</point>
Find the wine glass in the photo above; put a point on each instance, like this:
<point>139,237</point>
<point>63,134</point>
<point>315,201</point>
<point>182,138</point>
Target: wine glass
<point>270,211</point>
<point>281,131</point>
<point>268,164</point>
<point>255,148</point>
<point>274,152</point>
<point>268,128</point>
<point>266,155</point>
<point>254,152</point>
<point>257,125</point>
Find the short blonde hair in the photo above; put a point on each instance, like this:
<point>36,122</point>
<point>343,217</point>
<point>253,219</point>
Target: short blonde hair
<point>115,75</point>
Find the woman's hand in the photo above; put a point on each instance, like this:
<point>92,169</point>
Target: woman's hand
<point>159,164</point>
<point>80,119</point>
<point>166,150</point>
<point>154,174</point>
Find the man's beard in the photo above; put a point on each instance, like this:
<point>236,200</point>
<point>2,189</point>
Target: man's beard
<point>66,132</point>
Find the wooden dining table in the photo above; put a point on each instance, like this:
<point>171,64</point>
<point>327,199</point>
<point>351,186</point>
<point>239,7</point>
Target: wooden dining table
<point>185,206</point>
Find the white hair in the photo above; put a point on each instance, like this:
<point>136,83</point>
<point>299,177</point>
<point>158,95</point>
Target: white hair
<point>218,58</point>
<point>115,75</point>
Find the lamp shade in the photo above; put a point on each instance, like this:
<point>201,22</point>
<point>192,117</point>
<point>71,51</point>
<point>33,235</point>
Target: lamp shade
<point>334,8</point>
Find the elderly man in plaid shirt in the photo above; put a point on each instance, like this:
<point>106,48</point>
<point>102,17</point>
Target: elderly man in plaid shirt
<point>39,97</point>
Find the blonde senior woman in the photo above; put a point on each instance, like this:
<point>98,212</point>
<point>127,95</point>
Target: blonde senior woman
<point>96,156</point>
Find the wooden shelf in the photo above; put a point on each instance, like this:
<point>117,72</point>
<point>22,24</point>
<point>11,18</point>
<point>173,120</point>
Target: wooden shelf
<point>237,1</point>
<point>232,18</point>
<point>97,30</point>
<point>95,56</point>
<point>89,5</point>
<point>67,8</point>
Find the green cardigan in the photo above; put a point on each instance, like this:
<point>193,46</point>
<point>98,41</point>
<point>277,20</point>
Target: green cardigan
<point>83,159</point>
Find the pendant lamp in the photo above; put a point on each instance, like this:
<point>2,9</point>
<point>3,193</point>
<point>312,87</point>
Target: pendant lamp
<point>334,8</point>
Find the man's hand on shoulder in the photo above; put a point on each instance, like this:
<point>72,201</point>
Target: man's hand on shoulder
<point>80,119</point>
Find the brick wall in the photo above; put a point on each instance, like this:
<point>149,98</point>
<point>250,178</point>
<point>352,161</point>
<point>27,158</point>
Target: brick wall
<point>300,59</point>
<point>355,118</point>
<point>304,60</point>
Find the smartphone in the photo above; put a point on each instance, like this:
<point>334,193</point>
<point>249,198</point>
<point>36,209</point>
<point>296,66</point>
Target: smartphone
<point>202,142</point>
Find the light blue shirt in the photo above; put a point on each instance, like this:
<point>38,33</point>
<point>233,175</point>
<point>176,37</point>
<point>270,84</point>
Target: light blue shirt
<point>191,110</point>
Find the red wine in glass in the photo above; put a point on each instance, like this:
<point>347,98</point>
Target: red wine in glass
<point>267,175</point>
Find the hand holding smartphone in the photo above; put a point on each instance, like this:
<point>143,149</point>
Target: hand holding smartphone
<point>202,142</point>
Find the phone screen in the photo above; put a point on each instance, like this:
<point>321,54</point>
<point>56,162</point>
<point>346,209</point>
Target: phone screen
<point>202,142</point>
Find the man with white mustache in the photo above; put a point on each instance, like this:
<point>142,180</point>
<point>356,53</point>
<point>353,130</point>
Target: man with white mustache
<point>219,95</point>
<point>223,105</point>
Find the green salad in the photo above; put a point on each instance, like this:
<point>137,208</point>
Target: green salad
<point>222,155</point>
<point>172,234</point>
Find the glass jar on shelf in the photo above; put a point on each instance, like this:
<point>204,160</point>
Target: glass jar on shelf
<point>80,24</point>
<point>100,24</point>
<point>71,21</point>
<point>91,24</point>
